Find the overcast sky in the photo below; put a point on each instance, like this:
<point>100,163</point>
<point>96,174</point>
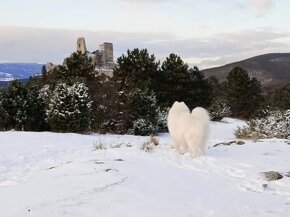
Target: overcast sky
<point>205,33</point>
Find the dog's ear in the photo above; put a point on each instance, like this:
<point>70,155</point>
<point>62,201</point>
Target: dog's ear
<point>176,102</point>
<point>183,103</point>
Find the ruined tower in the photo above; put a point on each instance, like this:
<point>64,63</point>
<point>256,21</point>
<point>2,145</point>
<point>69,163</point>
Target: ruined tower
<point>107,49</point>
<point>81,45</point>
<point>103,58</point>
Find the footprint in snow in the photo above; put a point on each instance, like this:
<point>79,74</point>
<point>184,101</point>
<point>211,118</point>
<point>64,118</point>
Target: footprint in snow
<point>98,162</point>
<point>112,170</point>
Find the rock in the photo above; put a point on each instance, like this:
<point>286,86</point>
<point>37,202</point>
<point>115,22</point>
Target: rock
<point>222,143</point>
<point>272,175</point>
<point>287,174</point>
<point>238,142</point>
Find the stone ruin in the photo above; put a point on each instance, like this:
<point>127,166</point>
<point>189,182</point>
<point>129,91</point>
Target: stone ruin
<point>102,58</point>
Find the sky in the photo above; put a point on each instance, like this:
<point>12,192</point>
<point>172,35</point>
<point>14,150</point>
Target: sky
<point>205,33</point>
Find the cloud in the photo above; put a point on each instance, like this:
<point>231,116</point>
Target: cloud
<point>44,45</point>
<point>224,47</point>
<point>25,44</point>
<point>263,7</point>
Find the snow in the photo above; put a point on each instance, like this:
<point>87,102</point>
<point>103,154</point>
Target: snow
<point>280,59</point>
<point>53,174</point>
<point>6,76</point>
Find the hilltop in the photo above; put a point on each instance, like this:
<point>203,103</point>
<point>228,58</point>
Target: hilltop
<point>269,69</point>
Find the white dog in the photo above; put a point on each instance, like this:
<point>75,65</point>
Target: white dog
<point>188,130</point>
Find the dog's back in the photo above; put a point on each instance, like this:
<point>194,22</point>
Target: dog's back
<point>188,130</point>
<point>201,115</point>
<point>200,124</point>
<point>177,118</point>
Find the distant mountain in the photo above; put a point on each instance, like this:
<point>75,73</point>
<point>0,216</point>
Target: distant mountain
<point>11,71</point>
<point>269,69</point>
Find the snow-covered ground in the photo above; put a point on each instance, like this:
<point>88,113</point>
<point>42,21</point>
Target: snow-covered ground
<point>55,175</point>
<point>6,76</point>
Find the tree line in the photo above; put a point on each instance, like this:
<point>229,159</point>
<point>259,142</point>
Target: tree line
<point>75,98</point>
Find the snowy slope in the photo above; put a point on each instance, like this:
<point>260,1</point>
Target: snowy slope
<point>11,71</point>
<point>50,174</point>
<point>6,76</point>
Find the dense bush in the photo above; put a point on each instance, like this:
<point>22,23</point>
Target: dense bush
<point>142,127</point>
<point>4,116</point>
<point>143,112</point>
<point>14,106</point>
<point>131,112</point>
<point>36,116</point>
<point>162,120</point>
<point>280,99</point>
<point>275,124</point>
<point>219,109</point>
<point>143,104</point>
<point>69,108</point>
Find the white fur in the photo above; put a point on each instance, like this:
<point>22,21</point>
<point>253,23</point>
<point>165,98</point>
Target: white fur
<point>188,130</point>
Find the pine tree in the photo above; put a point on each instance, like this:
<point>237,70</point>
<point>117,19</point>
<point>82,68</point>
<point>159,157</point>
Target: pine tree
<point>69,108</point>
<point>171,82</point>
<point>244,95</point>
<point>135,70</point>
<point>219,107</point>
<point>216,87</point>
<point>281,97</point>
<point>101,95</point>
<point>131,78</point>
<point>200,92</point>
<point>15,104</point>
<point>78,65</point>
<point>130,111</point>
<point>44,74</point>
<point>143,111</point>
<point>4,116</point>
<point>176,82</point>
<point>257,96</point>
<point>35,120</point>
